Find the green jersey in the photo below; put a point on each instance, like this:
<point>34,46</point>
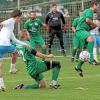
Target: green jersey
<point>75,22</point>
<point>20,48</point>
<point>83,25</point>
<point>33,26</point>
<point>33,65</point>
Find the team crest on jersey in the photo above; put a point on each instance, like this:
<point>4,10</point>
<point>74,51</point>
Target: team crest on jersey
<point>31,24</point>
<point>36,24</point>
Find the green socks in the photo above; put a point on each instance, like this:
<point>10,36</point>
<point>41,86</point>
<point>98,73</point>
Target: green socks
<point>90,50</point>
<point>77,54</point>
<point>79,65</point>
<point>55,73</point>
<point>32,86</point>
<point>74,52</point>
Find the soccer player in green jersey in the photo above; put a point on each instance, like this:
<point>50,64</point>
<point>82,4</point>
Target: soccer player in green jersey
<point>83,34</point>
<point>35,68</point>
<point>33,25</point>
<point>76,43</point>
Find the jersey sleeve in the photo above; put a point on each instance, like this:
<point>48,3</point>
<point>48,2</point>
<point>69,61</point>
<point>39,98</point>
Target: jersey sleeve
<point>13,38</point>
<point>6,23</point>
<point>89,14</point>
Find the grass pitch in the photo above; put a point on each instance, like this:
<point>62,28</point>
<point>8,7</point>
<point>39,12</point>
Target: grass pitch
<point>73,87</point>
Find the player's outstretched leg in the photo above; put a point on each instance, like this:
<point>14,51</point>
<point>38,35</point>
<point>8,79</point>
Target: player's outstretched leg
<point>55,73</point>
<point>77,55</point>
<point>2,86</point>
<point>40,83</point>
<point>78,68</point>
<point>73,54</point>
<point>13,69</point>
<point>31,86</point>
<point>90,46</point>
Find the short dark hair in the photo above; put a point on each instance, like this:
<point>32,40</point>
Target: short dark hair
<point>53,4</point>
<point>93,2</point>
<point>33,11</point>
<point>16,13</point>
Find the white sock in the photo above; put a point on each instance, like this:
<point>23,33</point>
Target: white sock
<point>12,66</point>
<point>1,82</point>
<point>95,54</point>
<point>99,49</point>
<point>53,82</point>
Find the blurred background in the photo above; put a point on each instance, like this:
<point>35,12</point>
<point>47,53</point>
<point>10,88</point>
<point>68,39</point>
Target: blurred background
<point>69,8</point>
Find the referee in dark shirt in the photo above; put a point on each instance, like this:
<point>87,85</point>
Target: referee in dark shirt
<point>55,22</point>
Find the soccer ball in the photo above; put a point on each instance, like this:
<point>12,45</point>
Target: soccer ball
<point>84,56</point>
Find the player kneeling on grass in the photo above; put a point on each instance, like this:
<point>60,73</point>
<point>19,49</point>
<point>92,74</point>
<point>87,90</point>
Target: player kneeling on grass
<point>35,68</point>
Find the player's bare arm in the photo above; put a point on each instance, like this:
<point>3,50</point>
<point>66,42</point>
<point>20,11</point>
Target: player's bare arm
<point>90,22</point>
<point>73,29</point>
<point>97,23</point>
<point>38,54</point>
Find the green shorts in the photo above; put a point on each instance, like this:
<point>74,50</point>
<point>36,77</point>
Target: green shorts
<point>81,35</point>
<point>37,40</point>
<point>77,43</point>
<point>38,77</point>
<point>36,70</point>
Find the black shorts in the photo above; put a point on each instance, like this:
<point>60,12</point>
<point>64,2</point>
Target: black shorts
<point>52,64</point>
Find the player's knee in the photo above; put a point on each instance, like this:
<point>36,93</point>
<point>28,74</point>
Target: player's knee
<point>43,46</point>
<point>90,39</point>
<point>42,84</point>
<point>58,65</point>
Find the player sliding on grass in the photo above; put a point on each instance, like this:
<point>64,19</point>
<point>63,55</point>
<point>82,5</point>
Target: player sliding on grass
<point>83,33</point>
<point>35,69</point>
<point>6,34</point>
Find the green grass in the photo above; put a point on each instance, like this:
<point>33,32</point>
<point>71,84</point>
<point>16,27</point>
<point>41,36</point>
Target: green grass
<point>73,87</point>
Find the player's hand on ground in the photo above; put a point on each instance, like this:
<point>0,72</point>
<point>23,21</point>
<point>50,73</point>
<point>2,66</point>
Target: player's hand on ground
<point>50,56</point>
